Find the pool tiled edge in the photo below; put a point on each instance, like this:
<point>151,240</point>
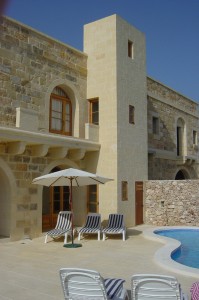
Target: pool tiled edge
<point>163,255</point>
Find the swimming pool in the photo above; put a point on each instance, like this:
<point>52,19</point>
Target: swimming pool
<point>188,253</point>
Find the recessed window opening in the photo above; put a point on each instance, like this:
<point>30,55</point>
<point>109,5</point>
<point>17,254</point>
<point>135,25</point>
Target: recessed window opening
<point>92,200</point>
<point>195,137</point>
<point>130,49</point>
<point>131,114</point>
<point>124,190</point>
<point>155,124</point>
<point>60,112</point>
<point>180,138</point>
<point>94,111</point>
<point>178,141</point>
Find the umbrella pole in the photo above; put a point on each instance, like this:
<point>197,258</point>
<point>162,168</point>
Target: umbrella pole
<point>71,208</point>
<point>72,245</point>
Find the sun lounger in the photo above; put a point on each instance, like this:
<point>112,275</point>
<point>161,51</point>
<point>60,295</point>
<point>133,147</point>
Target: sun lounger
<point>63,226</point>
<point>83,284</point>
<point>115,226</point>
<point>92,225</point>
<point>156,287</point>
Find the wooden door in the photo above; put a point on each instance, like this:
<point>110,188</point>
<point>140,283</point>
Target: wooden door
<point>92,199</point>
<point>138,202</point>
<point>55,199</point>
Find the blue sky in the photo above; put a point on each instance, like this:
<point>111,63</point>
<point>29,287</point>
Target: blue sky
<point>171,28</point>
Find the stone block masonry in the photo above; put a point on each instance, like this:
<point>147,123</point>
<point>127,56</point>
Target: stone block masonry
<point>171,202</point>
<point>30,62</point>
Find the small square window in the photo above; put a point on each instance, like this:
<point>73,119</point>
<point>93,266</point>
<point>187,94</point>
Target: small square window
<point>155,124</point>
<point>130,49</point>
<point>131,114</point>
<point>124,190</point>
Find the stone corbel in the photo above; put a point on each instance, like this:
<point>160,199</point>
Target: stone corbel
<point>190,161</point>
<point>77,154</point>
<point>39,150</point>
<point>16,147</point>
<point>58,152</point>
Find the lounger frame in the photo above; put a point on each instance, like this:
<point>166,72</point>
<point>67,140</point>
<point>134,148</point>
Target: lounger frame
<point>115,226</point>
<point>92,225</point>
<point>84,284</point>
<point>155,286</point>
<point>62,228</point>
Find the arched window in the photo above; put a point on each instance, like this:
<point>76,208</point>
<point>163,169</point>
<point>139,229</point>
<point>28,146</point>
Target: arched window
<point>60,112</point>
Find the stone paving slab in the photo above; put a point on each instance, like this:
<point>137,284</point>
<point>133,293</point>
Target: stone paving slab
<point>30,269</point>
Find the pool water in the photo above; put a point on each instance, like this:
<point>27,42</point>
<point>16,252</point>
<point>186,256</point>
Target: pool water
<point>188,253</point>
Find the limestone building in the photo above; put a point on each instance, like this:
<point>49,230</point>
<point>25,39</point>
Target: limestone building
<point>94,110</point>
<point>172,133</point>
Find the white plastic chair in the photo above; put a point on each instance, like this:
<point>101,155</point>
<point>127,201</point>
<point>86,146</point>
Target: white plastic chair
<point>83,284</point>
<point>155,287</point>
<point>92,225</point>
<point>63,226</point>
<point>115,226</point>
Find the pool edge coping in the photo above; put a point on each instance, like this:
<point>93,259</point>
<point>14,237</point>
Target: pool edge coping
<point>163,255</point>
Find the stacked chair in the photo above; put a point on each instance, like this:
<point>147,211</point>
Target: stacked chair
<point>83,284</point>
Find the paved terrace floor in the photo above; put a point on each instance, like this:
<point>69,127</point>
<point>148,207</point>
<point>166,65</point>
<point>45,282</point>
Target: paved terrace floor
<point>29,269</point>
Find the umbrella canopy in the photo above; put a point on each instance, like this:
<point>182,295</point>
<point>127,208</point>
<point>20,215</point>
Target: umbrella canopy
<point>70,177</point>
<point>64,178</point>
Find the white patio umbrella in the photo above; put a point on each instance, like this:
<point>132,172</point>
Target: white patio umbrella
<point>70,177</point>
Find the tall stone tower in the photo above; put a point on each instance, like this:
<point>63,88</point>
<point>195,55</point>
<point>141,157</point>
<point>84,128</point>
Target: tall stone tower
<point>117,77</point>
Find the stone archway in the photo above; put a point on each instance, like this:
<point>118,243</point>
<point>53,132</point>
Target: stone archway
<point>182,175</point>
<point>49,195</point>
<point>73,93</point>
<point>7,194</point>
<point>5,206</point>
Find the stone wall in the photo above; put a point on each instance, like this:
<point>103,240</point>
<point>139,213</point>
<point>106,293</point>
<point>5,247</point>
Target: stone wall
<point>168,116</point>
<point>31,64</point>
<point>172,97</point>
<point>171,202</point>
<point>166,168</point>
<point>169,108</point>
<point>24,202</point>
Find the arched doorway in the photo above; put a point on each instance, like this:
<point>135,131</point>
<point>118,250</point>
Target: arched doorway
<point>55,199</point>
<point>181,175</point>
